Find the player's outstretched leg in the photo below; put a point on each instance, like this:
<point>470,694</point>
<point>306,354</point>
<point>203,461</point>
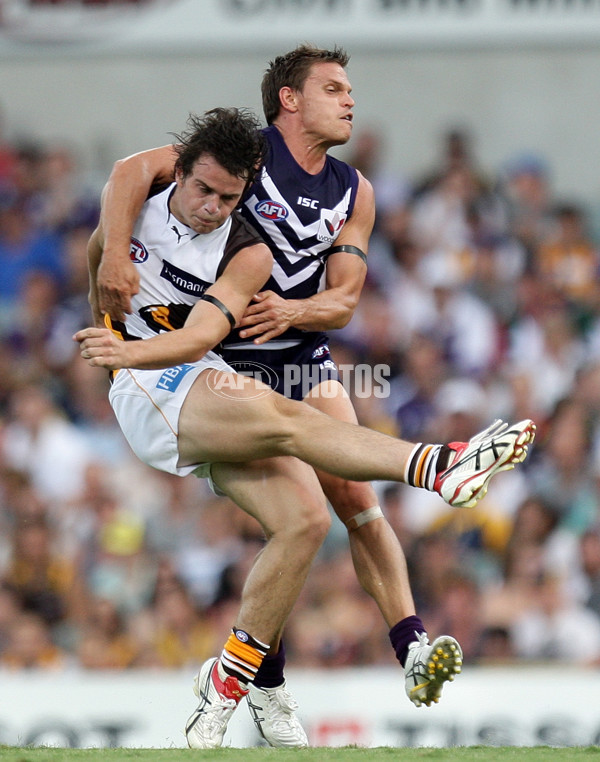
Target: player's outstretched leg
<point>464,481</point>
<point>218,701</point>
<point>429,666</point>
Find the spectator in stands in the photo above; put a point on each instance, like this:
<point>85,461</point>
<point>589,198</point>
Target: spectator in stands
<point>212,546</point>
<point>527,188</point>
<point>104,642</point>
<point>544,348</point>
<point>498,263</point>
<point>45,582</point>
<point>22,250</point>
<point>423,371</point>
<point>545,630</point>
<point>463,322</point>
<point>514,593</point>
<point>368,155</point>
<point>568,261</point>
<point>564,474</point>
<point>336,626</point>
<point>43,443</point>
<point>456,151</point>
<point>184,635</point>
<point>114,560</point>
<point>589,547</point>
<point>29,335</point>
<point>10,609</point>
<point>463,595</point>
<point>63,199</point>
<point>30,646</point>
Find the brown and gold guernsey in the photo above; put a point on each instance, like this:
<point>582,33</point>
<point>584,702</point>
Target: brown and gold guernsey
<point>176,265</point>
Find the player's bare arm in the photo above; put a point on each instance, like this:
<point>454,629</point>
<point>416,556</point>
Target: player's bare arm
<point>123,196</point>
<point>269,315</point>
<point>94,256</point>
<point>207,324</point>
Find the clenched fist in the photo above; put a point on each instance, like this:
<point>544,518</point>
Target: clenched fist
<point>101,348</point>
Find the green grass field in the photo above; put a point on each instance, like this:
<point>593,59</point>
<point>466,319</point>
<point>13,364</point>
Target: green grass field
<point>345,754</point>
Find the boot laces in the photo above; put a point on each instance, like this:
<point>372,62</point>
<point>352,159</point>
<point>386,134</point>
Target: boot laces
<point>281,705</point>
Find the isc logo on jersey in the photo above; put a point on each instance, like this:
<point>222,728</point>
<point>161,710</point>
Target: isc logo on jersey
<point>271,210</point>
<point>330,224</point>
<point>137,251</point>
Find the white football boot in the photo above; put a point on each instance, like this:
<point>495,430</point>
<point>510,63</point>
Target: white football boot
<point>498,448</point>
<point>218,701</point>
<point>429,666</point>
<point>274,713</point>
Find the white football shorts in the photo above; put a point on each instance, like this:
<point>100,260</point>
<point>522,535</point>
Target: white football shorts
<point>147,404</point>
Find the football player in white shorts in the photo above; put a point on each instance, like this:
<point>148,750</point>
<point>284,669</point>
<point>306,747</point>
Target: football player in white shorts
<point>226,422</point>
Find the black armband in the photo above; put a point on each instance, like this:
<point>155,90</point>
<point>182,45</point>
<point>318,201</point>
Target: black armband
<point>218,303</point>
<point>349,250</point>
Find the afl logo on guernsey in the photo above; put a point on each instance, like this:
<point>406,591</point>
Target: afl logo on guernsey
<point>271,210</point>
<point>137,251</point>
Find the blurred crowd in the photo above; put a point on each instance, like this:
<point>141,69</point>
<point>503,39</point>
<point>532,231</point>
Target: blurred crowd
<point>481,302</point>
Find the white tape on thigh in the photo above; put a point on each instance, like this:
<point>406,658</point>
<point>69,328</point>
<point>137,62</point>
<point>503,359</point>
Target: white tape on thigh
<point>364,517</point>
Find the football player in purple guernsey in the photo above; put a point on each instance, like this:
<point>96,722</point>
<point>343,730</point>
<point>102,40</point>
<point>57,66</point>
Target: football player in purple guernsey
<point>316,215</point>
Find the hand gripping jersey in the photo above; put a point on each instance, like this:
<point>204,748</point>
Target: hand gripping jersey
<point>176,266</point>
<point>299,216</point>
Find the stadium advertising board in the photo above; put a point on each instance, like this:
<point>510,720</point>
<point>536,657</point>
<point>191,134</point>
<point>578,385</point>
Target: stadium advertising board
<point>495,707</point>
<point>244,24</point>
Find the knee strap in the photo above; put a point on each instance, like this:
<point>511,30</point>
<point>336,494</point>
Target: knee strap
<point>364,517</point>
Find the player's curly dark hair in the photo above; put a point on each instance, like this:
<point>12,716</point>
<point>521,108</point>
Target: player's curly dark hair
<point>292,70</point>
<point>232,136</point>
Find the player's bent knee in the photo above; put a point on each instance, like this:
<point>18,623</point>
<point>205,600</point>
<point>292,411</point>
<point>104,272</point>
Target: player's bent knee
<point>312,523</point>
<point>349,498</point>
